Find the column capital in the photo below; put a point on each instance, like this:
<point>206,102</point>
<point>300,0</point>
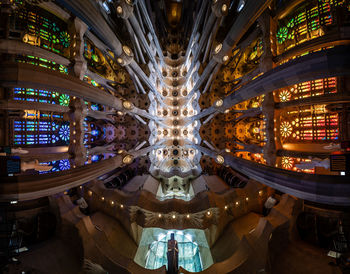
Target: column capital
<point>125,8</point>
<point>220,7</point>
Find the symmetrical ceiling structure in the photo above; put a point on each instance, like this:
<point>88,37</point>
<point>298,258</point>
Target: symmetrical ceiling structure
<point>175,114</point>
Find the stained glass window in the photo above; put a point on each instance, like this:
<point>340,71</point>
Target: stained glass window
<point>41,96</point>
<point>92,132</point>
<point>59,165</point>
<point>291,163</point>
<point>306,22</point>
<point>312,123</point>
<point>95,58</point>
<point>34,132</point>
<point>41,62</point>
<point>42,29</point>
<point>64,100</point>
<point>307,89</point>
<point>102,64</point>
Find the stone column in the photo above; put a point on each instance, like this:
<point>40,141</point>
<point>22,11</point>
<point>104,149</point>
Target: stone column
<point>148,21</point>
<point>77,29</point>
<point>89,12</point>
<point>268,109</point>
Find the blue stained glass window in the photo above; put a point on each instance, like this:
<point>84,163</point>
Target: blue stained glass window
<point>42,96</point>
<point>57,166</point>
<point>64,164</point>
<point>95,132</point>
<point>33,132</point>
<point>64,132</point>
<point>94,107</point>
<point>96,158</point>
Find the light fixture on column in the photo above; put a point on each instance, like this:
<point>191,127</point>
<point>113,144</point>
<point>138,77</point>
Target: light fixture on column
<point>119,10</point>
<point>218,48</point>
<point>126,57</point>
<point>127,105</point>
<point>224,8</point>
<point>219,103</point>
<point>127,51</point>
<point>128,159</point>
<point>125,9</point>
<point>120,61</point>
<point>220,159</point>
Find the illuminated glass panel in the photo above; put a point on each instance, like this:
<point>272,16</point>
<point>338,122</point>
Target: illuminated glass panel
<point>307,89</point>
<point>102,64</point>
<point>290,163</point>
<point>92,132</point>
<point>95,58</point>
<point>57,166</point>
<point>41,28</point>
<point>41,96</point>
<point>311,124</point>
<point>33,132</point>
<point>306,22</point>
<point>41,62</point>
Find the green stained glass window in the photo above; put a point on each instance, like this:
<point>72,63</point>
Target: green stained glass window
<point>306,22</point>
<point>282,35</point>
<point>64,100</point>
<point>42,28</point>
